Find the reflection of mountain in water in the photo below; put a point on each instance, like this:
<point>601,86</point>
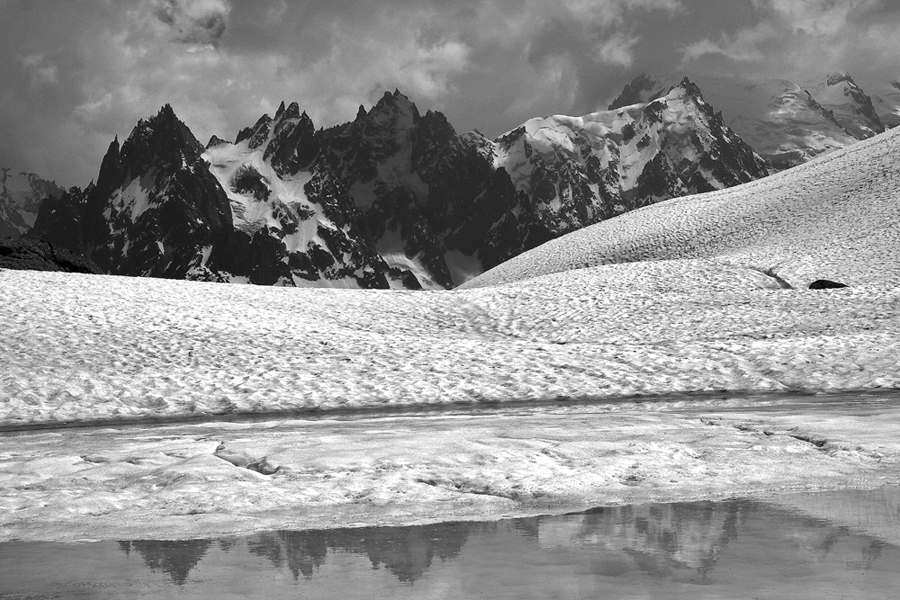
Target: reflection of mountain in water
<point>176,558</point>
<point>407,552</point>
<point>660,538</point>
<point>302,551</point>
<point>683,541</point>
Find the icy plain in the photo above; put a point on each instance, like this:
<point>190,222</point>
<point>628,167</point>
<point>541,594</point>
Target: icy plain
<point>649,357</point>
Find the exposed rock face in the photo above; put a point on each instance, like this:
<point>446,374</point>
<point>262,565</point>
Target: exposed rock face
<point>153,210</point>
<point>21,195</point>
<point>787,123</point>
<point>32,254</point>
<point>393,198</point>
<point>417,183</point>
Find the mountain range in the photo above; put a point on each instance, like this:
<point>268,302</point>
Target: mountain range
<point>392,199</point>
<point>398,199</point>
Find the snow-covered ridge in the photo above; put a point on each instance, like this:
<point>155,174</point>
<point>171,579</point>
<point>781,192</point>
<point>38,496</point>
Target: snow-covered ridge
<point>786,122</point>
<point>636,155</point>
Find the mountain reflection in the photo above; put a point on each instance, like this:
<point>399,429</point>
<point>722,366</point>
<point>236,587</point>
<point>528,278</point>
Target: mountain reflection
<point>660,539</point>
<point>175,558</point>
<point>682,541</point>
<point>407,552</point>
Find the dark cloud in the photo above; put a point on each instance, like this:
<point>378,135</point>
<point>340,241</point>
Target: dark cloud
<point>195,21</point>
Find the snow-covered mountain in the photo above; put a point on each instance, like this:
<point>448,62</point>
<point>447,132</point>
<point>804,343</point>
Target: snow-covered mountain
<point>786,122</point>
<point>154,209</point>
<point>886,99</point>
<point>580,170</point>
<point>21,195</point>
<point>393,198</point>
<point>299,221</point>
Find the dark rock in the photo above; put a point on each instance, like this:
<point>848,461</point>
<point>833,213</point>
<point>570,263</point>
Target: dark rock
<point>824,284</point>
<point>33,254</point>
<point>215,141</point>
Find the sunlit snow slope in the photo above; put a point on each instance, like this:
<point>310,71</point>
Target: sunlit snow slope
<point>687,295</point>
<point>833,218</point>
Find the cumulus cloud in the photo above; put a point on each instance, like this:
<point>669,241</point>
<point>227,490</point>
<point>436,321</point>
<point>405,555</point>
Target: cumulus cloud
<point>617,50</point>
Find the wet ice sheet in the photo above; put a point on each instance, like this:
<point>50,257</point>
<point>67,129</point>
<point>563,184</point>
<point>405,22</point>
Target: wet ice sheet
<point>193,480</point>
<point>726,549</point>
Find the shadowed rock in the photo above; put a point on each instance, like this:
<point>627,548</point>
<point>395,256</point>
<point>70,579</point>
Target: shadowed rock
<point>32,254</point>
<point>824,284</point>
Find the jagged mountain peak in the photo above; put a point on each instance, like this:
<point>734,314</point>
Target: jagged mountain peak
<point>642,89</point>
<point>215,141</point>
<point>647,87</point>
<point>394,109</point>
<point>161,142</point>
<point>838,77</point>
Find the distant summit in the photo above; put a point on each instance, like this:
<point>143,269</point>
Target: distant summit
<point>21,195</point>
<point>786,122</point>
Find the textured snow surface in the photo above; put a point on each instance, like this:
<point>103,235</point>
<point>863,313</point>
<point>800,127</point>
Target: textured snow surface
<point>832,218</point>
<point>79,347</point>
<point>184,481</point>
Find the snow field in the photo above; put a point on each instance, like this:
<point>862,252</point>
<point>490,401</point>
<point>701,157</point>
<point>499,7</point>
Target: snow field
<point>83,348</point>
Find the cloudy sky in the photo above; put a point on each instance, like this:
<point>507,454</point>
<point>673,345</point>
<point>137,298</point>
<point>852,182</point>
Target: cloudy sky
<point>76,73</point>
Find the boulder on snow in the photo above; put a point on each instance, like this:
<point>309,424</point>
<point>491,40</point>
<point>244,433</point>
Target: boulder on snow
<point>825,284</point>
